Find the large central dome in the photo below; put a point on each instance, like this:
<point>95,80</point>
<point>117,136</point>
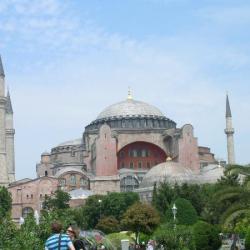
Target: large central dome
<point>130,108</point>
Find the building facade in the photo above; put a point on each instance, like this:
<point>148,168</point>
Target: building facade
<point>121,145</point>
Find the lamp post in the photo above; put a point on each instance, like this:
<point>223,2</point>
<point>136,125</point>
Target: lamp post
<point>174,210</point>
<point>100,202</point>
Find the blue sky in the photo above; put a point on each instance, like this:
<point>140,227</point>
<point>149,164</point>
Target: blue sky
<point>65,61</point>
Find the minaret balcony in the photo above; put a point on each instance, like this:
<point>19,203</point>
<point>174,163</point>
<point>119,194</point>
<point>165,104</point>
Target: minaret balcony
<point>229,131</point>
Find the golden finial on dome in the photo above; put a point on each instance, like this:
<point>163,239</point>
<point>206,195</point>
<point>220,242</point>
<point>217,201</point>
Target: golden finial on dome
<point>129,94</point>
<point>169,158</point>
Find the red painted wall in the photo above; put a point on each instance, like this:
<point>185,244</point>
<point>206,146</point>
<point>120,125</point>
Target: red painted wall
<point>143,155</point>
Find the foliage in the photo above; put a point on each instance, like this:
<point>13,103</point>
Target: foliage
<point>59,200</point>
<point>165,194</point>
<point>140,218</point>
<point>247,240</point>
<point>229,179</point>
<point>28,236</point>
<point>242,225</point>
<point>180,238</point>
<point>116,238</point>
<point>206,236</point>
<point>163,197</point>
<point>8,231</point>
<point>115,204</point>
<point>112,204</point>
<point>186,214</point>
<point>108,225</point>
<point>5,201</point>
<point>91,211</point>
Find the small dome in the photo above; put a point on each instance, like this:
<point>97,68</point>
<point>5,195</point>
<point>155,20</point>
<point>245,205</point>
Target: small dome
<point>71,143</point>
<point>170,172</point>
<point>130,108</point>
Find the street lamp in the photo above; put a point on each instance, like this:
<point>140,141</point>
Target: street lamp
<point>100,202</point>
<point>174,210</point>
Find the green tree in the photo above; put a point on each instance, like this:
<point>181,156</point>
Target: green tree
<point>108,225</point>
<point>140,218</point>
<point>92,211</point>
<point>247,240</point>
<point>206,236</point>
<point>59,200</point>
<point>115,204</point>
<point>112,204</point>
<point>5,201</point>
<point>180,238</point>
<point>8,232</point>
<point>163,197</point>
<point>186,214</point>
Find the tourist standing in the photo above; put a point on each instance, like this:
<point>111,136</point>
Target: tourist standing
<point>73,233</point>
<point>58,241</point>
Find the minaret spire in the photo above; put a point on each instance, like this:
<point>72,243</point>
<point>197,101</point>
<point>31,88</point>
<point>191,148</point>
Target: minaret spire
<point>229,131</point>
<point>1,68</point>
<point>9,109</point>
<point>228,109</point>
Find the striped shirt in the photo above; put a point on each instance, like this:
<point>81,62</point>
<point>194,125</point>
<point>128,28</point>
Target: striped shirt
<point>52,243</point>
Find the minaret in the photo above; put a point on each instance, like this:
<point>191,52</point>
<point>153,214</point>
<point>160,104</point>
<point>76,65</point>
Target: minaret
<point>10,132</point>
<point>229,131</point>
<point>4,181</point>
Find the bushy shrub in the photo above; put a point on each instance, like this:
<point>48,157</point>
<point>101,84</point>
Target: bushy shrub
<point>178,238</point>
<point>247,240</point>
<point>108,225</point>
<point>206,236</point>
<point>186,213</point>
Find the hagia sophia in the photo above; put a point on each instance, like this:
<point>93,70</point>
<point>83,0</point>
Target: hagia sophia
<point>128,147</point>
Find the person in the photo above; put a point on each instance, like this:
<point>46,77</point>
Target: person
<point>58,241</point>
<point>73,233</point>
<point>150,245</point>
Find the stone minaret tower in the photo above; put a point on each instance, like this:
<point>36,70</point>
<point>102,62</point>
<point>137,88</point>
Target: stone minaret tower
<point>4,179</point>
<point>10,132</point>
<point>229,131</point>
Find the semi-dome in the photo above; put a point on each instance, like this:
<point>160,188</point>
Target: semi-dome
<point>130,108</point>
<point>169,171</point>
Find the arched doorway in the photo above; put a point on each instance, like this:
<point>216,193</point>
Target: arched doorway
<point>26,211</point>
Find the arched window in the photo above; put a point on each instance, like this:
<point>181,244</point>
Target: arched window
<point>134,153</point>
<point>26,211</point>
<point>139,165</point>
<point>62,182</point>
<point>73,180</point>
<point>131,165</point>
<point>129,183</point>
<point>122,165</point>
<point>84,182</point>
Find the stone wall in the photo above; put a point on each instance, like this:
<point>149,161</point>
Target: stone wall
<point>188,149</point>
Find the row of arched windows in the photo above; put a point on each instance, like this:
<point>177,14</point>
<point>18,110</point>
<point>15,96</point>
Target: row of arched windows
<point>135,153</point>
<point>73,181</point>
<point>138,165</point>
